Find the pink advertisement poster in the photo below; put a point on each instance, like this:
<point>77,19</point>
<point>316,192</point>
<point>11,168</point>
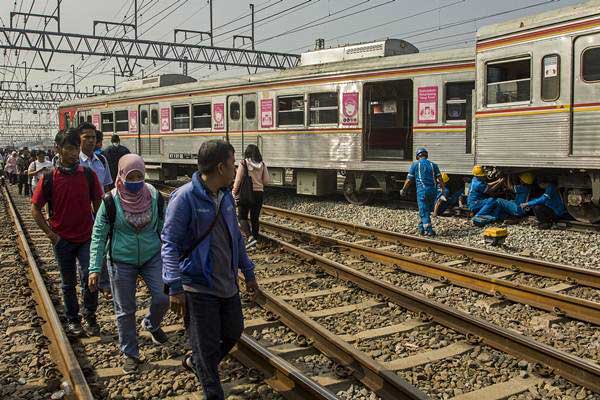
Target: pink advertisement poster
<point>350,109</point>
<point>165,119</point>
<point>96,120</point>
<point>218,116</point>
<point>266,113</point>
<point>427,108</point>
<point>133,121</point>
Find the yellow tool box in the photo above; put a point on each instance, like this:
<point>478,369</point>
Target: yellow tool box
<point>495,236</point>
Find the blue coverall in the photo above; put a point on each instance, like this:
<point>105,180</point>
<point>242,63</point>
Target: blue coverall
<point>425,174</point>
<point>478,199</point>
<point>451,199</point>
<point>511,208</point>
<point>551,199</point>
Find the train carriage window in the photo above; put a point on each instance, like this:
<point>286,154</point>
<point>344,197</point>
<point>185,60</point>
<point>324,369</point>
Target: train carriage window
<point>81,118</point>
<point>323,108</point>
<point>67,120</point>
<point>181,117</point>
<point>107,122</point>
<point>234,111</point>
<point>290,110</point>
<point>88,118</point>
<point>457,94</point>
<point>551,77</point>
<point>509,81</point>
<point>154,116</point>
<point>590,62</point>
<point>122,121</point>
<point>144,117</point>
<point>201,116</point>
<point>250,109</point>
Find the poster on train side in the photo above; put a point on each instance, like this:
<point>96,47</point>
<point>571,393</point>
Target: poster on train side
<point>133,121</point>
<point>96,120</point>
<point>165,119</point>
<point>427,104</point>
<point>350,109</point>
<point>266,113</point>
<point>218,116</point>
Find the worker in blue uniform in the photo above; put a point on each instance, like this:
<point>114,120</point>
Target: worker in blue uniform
<point>549,207</point>
<point>479,202</point>
<point>445,199</point>
<point>427,176</point>
<point>502,209</point>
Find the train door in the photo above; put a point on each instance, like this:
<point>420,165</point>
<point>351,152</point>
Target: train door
<point>148,125</point>
<point>84,116</point>
<point>242,124</point>
<point>387,120</point>
<point>586,92</point>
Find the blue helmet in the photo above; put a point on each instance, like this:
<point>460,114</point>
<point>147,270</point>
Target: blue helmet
<point>421,150</point>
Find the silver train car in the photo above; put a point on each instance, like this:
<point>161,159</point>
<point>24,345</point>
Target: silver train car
<point>527,97</point>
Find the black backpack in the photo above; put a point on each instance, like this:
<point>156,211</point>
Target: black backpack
<point>48,182</point>
<point>111,213</point>
<point>246,195</point>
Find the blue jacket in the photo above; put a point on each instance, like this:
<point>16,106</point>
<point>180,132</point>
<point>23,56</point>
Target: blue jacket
<point>551,199</point>
<point>189,214</point>
<point>425,174</point>
<point>477,192</point>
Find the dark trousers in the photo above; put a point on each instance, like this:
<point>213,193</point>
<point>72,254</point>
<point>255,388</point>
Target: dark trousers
<point>67,255</point>
<point>215,325</point>
<point>23,184</point>
<point>12,178</point>
<point>545,215</point>
<point>254,211</point>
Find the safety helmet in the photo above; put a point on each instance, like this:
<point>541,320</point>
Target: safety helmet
<point>478,171</point>
<point>445,177</point>
<point>421,150</point>
<point>527,178</point>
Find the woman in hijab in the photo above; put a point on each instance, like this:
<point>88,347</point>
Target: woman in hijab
<point>11,168</point>
<point>133,237</point>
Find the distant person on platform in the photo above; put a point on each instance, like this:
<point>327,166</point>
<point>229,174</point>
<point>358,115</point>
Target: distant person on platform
<point>202,252</point>
<point>37,168</point>
<point>113,154</point>
<point>11,168</point>
<point>71,191</point>
<point>23,162</point>
<point>427,177</point>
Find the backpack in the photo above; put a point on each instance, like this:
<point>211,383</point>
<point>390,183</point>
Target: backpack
<point>111,213</point>
<point>48,182</point>
<point>246,197</point>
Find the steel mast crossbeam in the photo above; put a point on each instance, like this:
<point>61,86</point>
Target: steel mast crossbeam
<point>126,51</point>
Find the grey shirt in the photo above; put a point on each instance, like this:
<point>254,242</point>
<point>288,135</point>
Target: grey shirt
<point>224,281</point>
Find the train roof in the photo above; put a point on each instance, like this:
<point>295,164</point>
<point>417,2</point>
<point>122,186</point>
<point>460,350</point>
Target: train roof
<point>523,24</point>
<point>327,69</point>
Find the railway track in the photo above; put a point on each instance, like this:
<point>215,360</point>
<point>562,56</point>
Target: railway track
<point>89,366</point>
<point>349,294</point>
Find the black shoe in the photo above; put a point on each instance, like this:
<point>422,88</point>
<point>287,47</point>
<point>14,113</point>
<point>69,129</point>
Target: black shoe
<point>159,337</point>
<point>130,364</point>
<point>74,329</point>
<point>544,225</point>
<point>92,328</point>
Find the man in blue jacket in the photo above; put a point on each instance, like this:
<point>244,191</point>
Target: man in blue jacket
<point>202,251</point>
<point>549,207</point>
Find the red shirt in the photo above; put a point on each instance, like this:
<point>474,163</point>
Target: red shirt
<point>72,217</point>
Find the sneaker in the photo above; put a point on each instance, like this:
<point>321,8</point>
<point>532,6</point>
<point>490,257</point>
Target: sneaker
<point>251,242</point>
<point>430,233</point>
<point>92,328</point>
<point>187,363</point>
<point>74,328</point>
<point>159,337</point>
<point>130,364</point>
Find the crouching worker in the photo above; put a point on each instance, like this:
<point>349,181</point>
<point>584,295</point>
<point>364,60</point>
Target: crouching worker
<point>511,209</point>
<point>202,251</point>
<point>549,207</point>
<point>425,173</point>
<point>130,220</point>
<point>479,201</point>
<point>445,199</point>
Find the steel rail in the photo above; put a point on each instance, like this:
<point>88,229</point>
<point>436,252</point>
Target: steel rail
<point>63,352</point>
<point>282,376</point>
<point>385,383</point>
<point>573,368</point>
<point>557,303</point>
<point>516,263</point>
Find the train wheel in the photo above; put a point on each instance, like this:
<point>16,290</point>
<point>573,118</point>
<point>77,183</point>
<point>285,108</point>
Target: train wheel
<point>587,213</point>
<point>356,196</point>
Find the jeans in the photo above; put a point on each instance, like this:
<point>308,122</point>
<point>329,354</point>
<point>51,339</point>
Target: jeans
<point>123,279</point>
<point>254,211</point>
<point>104,280</point>
<point>508,208</point>
<point>67,253</point>
<point>215,325</point>
<point>426,202</point>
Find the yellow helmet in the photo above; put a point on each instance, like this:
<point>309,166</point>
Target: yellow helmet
<point>478,171</point>
<point>527,178</point>
<point>445,177</point>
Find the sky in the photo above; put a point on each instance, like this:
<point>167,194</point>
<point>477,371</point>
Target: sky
<point>289,26</point>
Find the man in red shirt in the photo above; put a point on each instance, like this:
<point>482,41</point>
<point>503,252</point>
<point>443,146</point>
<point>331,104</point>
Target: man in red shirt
<point>71,192</point>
